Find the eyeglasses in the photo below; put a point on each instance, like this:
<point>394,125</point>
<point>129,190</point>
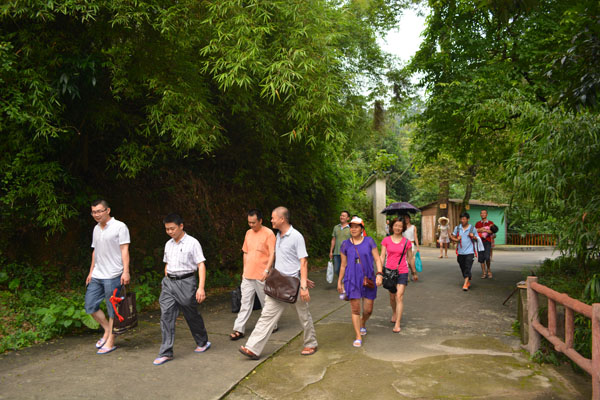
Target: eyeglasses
<point>98,212</point>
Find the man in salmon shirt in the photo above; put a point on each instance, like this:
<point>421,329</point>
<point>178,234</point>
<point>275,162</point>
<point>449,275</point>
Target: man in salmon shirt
<point>259,254</point>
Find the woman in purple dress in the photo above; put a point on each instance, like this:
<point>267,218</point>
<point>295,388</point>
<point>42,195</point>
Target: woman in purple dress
<point>359,253</point>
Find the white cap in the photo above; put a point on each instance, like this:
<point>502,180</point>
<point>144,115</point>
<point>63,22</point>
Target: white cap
<point>358,221</point>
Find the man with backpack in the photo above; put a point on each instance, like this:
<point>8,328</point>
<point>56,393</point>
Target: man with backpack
<point>466,236</point>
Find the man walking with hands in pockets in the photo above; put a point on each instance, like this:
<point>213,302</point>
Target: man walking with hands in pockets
<point>291,259</point>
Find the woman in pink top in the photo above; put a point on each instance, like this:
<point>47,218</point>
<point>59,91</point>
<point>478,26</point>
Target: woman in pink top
<point>398,249</point>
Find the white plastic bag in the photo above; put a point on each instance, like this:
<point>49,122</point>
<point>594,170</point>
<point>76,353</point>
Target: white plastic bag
<point>330,272</point>
<point>480,244</point>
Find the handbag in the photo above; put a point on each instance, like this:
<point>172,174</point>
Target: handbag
<point>367,282</point>
<point>125,312</point>
<point>390,276</point>
<point>282,287</point>
<point>236,301</point>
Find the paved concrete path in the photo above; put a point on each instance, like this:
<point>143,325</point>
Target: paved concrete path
<point>453,345</point>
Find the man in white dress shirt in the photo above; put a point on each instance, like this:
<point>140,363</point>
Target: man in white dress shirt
<point>180,290</point>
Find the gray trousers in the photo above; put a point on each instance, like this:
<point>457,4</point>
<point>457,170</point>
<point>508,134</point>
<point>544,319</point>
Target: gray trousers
<point>268,319</point>
<point>175,296</point>
<point>249,288</point>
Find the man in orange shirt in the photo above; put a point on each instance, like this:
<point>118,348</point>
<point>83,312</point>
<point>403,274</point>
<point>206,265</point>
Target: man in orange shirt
<point>259,254</point>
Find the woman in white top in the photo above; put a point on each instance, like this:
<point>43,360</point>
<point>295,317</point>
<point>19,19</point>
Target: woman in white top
<point>411,234</point>
<point>444,238</point>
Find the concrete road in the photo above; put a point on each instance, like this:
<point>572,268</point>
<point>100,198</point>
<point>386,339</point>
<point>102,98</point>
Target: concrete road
<point>453,345</point>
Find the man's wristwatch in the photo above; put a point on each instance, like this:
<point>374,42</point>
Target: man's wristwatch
<point>267,271</point>
<point>303,288</point>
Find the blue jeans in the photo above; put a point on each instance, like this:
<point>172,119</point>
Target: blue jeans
<point>101,289</point>
<point>337,263</point>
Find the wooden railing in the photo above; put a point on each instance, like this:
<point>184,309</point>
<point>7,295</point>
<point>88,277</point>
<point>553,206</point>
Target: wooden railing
<point>531,239</point>
<point>536,329</point>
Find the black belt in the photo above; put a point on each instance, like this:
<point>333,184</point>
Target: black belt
<point>178,277</point>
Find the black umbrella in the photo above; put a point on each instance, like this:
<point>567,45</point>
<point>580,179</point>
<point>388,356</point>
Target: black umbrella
<point>400,208</point>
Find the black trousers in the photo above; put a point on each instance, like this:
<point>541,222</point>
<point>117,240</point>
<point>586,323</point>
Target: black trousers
<point>484,256</point>
<point>465,262</point>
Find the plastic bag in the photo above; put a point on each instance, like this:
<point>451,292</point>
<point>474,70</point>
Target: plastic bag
<point>418,262</point>
<point>330,272</point>
<point>480,244</point>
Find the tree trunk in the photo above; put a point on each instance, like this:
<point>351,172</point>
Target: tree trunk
<point>378,116</point>
<point>443,194</point>
<point>469,187</point>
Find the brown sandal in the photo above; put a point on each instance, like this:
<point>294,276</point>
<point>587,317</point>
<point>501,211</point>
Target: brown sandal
<point>235,335</point>
<point>309,351</point>
<point>248,353</point>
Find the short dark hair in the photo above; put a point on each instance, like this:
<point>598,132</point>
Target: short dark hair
<point>465,214</point>
<point>347,213</point>
<point>173,218</point>
<point>102,202</point>
<point>393,222</point>
<point>255,211</point>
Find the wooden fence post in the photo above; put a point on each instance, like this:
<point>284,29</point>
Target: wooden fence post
<point>596,351</point>
<point>533,344</point>
<point>569,328</point>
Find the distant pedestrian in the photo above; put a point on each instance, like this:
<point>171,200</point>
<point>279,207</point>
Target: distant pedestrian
<point>109,270</point>
<point>464,235</point>
<point>357,278</point>
<point>340,233</point>
<point>410,232</point>
<point>259,254</point>
<point>398,250</point>
<point>291,259</point>
<point>487,236</point>
<point>180,291</point>
<point>444,235</point>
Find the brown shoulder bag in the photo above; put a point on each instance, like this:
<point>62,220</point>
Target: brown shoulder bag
<point>282,287</point>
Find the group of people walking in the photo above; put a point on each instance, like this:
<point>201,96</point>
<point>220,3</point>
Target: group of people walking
<point>183,286</point>
<point>355,255</point>
<point>472,241</point>
<point>360,267</point>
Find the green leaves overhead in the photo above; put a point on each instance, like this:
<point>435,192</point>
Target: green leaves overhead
<point>100,89</point>
<point>513,88</point>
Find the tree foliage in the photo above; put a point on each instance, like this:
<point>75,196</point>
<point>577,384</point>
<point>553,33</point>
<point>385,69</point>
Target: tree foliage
<point>94,92</point>
<point>513,89</point>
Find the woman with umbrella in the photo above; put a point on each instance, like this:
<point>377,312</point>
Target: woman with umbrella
<point>359,253</point>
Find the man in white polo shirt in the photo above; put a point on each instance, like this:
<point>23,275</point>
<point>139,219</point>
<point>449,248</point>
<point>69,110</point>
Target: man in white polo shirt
<point>291,259</point>
<point>180,290</point>
<point>109,270</point>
